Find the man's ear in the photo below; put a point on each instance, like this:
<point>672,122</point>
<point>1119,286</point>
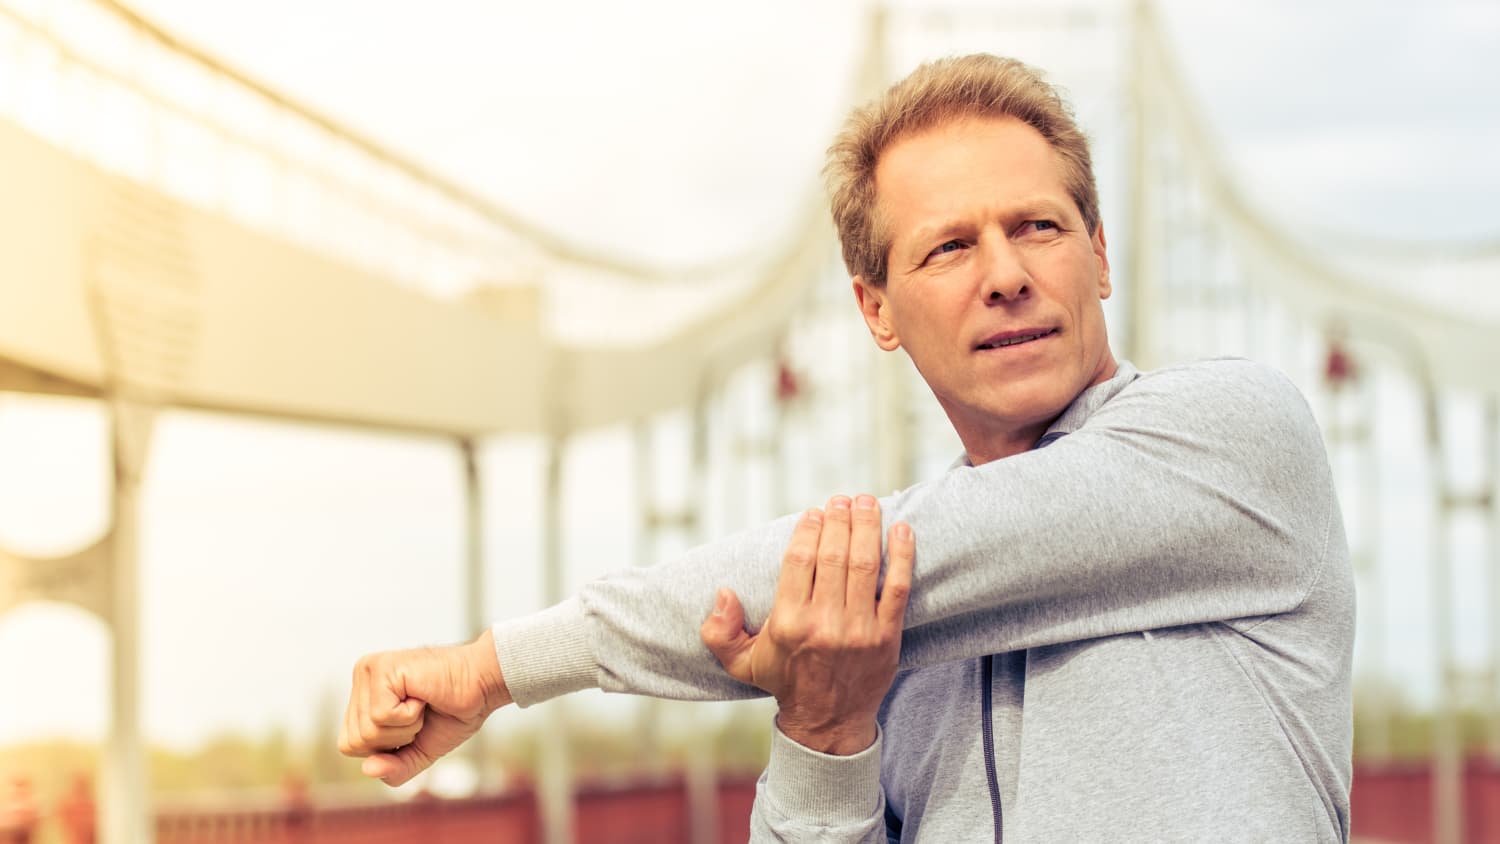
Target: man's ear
<point>877,314</point>
<point>1100,254</point>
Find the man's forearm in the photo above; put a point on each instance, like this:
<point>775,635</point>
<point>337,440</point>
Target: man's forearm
<point>546,654</point>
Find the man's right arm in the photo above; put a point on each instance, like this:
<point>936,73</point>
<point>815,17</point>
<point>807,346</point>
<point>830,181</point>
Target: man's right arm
<point>828,655</point>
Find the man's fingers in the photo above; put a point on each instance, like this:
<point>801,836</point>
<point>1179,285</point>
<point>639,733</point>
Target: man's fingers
<point>864,557</point>
<point>794,586</point>
<point>723,632</point>
<point>383,731</point>
<point>349,742</point>
<point>901,556</point>
<point>388,718</point>
<point>403,714</point>
<point>833,555</point>
<point>395,726</point>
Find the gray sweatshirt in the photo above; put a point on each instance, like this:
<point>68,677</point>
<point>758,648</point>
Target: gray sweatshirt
<point>1141,632</point>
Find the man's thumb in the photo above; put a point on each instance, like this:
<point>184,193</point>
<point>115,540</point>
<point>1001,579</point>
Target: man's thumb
<point>724,634</point>
<point>396,767</point>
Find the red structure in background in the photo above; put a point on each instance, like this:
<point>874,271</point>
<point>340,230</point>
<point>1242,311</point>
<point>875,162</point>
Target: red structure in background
<point>637,813</point>
<point>1339,368</point>
<point>1394,802</point>
<point>76,813</point>
<point>1391,803</point>
<point>18,813</point>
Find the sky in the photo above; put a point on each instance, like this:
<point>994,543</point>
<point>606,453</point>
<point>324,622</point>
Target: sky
<point>674,132</point>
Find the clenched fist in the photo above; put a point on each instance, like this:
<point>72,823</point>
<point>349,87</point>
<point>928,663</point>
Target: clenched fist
<point>407,708</point>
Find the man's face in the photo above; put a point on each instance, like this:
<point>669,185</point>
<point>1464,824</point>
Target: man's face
<point>994,286</point>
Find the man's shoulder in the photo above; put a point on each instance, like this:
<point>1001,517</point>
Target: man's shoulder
<point>1233,407</point>
<point>1216,374</point>
<point>1221,392</point>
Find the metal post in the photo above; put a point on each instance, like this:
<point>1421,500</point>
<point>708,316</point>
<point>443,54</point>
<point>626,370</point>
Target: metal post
<point>776,455</point>
<point>555,769</point>
<point>1355,461</point>
<point>892,424</point>
<point>474,616</point>
<point>1378,725</point>
<point>645,492</point>
<point>125,806</point>
<point>649,720</point>
<point>1447,749</point>
<point>702,773</point>
<point>1491,492</point>
<point>1140,305</point>
<point>892,435</point>
<point>554,763</point>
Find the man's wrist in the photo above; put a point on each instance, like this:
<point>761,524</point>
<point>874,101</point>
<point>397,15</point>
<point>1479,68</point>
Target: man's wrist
<point>487,671</point>
<point>844,738</point>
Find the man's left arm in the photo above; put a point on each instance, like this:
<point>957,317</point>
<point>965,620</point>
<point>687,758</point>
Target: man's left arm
<point>1198,494</point>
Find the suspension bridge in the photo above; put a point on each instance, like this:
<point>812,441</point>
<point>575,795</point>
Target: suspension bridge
<point>179,235</point>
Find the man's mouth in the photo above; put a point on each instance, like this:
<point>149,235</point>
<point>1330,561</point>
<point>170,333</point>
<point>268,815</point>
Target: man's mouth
<point>1015,338</point>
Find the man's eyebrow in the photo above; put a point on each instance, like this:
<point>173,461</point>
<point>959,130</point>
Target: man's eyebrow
<point>926,233</point>
<point>1026,209</point>
<point>1038,207</point>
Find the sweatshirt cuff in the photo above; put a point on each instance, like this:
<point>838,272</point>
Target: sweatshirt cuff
<point>545,654</point>
<point>820,789</point>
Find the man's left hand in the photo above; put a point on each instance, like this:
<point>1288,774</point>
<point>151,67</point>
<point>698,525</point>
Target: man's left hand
<point>829,649</point>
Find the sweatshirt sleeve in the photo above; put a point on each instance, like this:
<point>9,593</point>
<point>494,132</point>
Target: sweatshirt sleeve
<point>1194,494</point>
<point>809,796</point>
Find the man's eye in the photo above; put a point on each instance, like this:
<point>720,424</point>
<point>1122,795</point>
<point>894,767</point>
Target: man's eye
<point>1043,225</point>
<point>950,246</point>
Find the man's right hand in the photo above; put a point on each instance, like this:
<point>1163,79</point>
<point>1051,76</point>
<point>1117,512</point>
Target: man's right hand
<point>408,708</point>
<point>829,650</point>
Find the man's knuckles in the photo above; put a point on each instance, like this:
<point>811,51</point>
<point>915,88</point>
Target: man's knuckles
<point>795,638</point>
<point>396,716</point>
<point>373,737</point>
<point>370,665</point>
<point>862,562</point>
<point>788,632</point>
<point>895,592</point>
<point>798,556</point>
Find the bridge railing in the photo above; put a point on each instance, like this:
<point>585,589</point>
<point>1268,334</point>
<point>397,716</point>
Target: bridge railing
<point>1392,802</point>
<point>642,811</point>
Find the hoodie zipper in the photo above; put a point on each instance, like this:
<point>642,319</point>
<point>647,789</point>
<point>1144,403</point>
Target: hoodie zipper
<point>987,705</point>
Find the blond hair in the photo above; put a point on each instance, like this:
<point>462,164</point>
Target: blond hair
<point>978,85</point>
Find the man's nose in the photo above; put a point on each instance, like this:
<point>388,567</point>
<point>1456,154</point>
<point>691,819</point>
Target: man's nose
<point>1006,278</point>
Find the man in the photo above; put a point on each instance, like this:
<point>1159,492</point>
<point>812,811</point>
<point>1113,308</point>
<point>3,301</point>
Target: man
<point>1132,618</point>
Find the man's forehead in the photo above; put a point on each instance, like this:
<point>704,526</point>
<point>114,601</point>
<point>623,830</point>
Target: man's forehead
<point>994,166</point>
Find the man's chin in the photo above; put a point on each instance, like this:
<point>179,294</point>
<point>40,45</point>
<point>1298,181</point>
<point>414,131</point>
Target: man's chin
<point>1039,398</point>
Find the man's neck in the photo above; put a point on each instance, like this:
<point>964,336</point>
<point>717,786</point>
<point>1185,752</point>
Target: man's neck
<point>998,444</point>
